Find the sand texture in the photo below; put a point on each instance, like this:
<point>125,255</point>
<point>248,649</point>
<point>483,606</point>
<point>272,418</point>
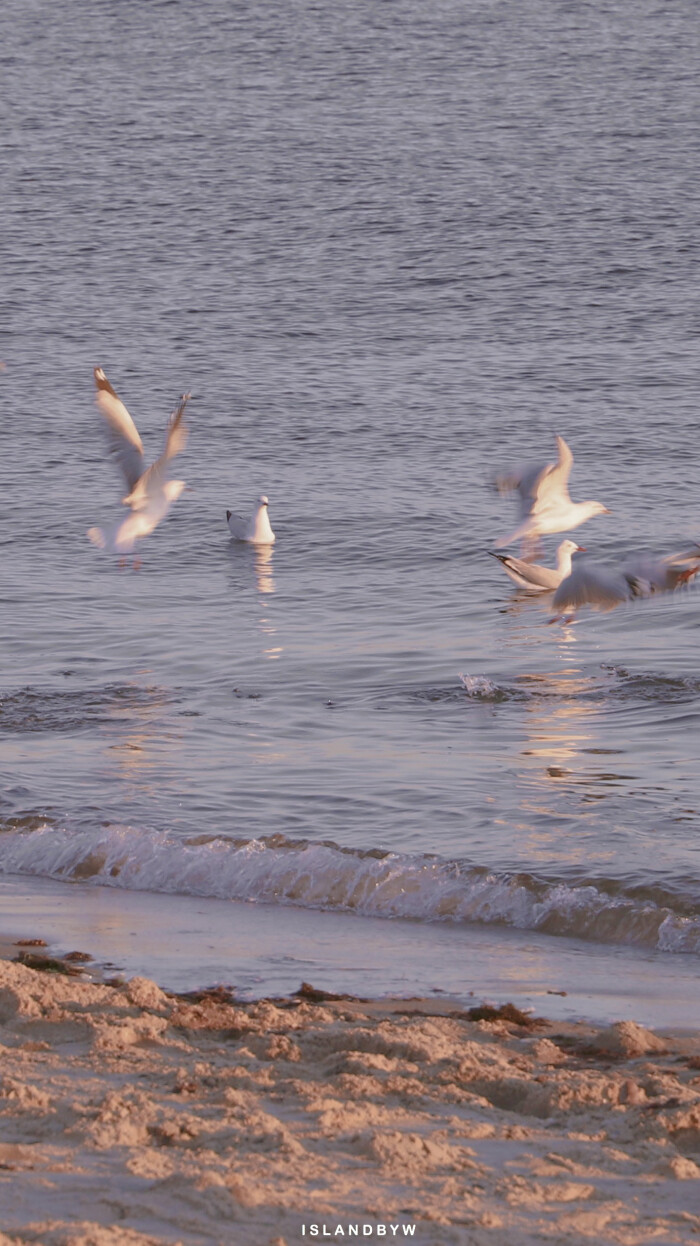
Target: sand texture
<point>135,1118</point>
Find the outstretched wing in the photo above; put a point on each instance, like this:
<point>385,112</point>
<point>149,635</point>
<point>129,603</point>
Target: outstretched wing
<point>124,442</point>
<point>552,486</point>
<point>588,586</point>
<point>176,433</point>
<point>662,575</point>
<point>524,480</point>
<point>153,480</point>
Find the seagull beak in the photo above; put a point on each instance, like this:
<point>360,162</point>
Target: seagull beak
<point>580,549</point>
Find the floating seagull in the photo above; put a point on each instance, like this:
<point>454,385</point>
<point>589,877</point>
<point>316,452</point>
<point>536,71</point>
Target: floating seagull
<point>536,579</point>
<point>150,491</point>
<point>257,529</point>
<point>545,505</point>
<point>604,590</point>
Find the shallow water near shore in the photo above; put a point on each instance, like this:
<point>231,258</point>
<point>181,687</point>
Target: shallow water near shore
<point>267,950</point>
<point>391,253</point>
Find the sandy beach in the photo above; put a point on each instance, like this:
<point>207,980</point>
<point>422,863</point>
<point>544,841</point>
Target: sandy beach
<point>135,1117</point>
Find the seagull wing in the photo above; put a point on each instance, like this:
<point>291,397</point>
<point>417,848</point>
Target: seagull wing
<point>551,489</point>
<point>124,442</point>
<point>588,586</point>
<point>151,482</point>
<point>154,495</point>
<point>239,528</point>
<point>524,481</point>
<point>662,575</point>
<point>542,490</point>
<point>176,432</point>
<point>528,575</point>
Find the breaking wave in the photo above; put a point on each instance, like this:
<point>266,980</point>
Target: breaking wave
<point>373,883</point>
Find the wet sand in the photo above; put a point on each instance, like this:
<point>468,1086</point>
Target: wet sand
<point>132,1117</point>
<point>185,943</point>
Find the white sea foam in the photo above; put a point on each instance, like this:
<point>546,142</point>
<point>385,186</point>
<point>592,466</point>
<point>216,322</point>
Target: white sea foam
<point>326,876</point>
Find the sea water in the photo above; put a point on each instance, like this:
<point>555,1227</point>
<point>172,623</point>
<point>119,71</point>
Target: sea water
<point>392,249</point>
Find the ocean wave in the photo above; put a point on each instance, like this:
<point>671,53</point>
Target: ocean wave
<point>373,882</point>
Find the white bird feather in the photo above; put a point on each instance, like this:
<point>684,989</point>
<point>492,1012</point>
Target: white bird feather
<point>545,503</point>
<point>534,578</point>
<point>150,491</point>
<point>603,589</point>
<point>257,530</point>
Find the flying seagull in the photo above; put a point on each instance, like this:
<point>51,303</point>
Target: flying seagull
<point>150,491</point>
<point>545,504</point>
<point>602,589</point>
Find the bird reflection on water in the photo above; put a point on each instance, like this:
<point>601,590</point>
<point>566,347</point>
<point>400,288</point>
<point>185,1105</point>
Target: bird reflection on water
<point>263,568</point>
<point>554,721</point>
<point>258,559</point>
<point>563,724</point>
<point>262,555</point>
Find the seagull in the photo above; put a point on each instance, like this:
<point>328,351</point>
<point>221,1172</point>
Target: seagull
<point>604,590</point>
<point>545,505</point>
<point>150,491</point>
<point>536,579</point>
<point>257,529</point>
<point>663,575</point>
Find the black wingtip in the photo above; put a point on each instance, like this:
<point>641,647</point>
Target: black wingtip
<point>228,515</point>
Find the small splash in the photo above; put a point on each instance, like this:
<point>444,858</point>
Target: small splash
<point>479,686</point>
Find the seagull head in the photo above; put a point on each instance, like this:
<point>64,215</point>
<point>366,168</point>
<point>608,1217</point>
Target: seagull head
<point>262,499</point>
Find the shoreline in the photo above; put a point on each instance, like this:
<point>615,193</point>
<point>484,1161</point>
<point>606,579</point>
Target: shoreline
<point>138,1117</point>
<point>188,943</point>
